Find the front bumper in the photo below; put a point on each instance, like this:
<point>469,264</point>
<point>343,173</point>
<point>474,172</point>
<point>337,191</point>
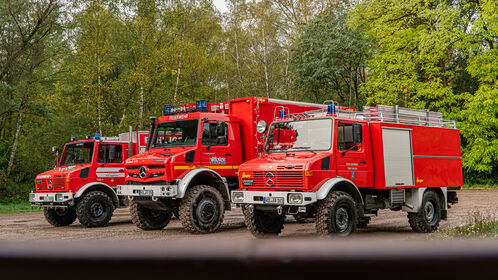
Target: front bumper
<point>147,191</point>
<point>51,199</point>
<point>273,198</point>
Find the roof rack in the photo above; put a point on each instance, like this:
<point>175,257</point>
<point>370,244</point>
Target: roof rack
<point>385,113</point>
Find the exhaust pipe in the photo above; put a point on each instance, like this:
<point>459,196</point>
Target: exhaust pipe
<point>151,131</point>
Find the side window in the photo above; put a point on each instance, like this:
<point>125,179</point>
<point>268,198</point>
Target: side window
<point>110,153</point>
<point>214,134</point>
<point>345,137</point>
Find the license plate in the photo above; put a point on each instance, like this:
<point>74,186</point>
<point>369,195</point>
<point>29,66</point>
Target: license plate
<point>145,192</point>
<point>273,200</point>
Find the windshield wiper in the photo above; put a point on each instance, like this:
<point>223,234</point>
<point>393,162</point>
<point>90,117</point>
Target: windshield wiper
<point>304,148</point>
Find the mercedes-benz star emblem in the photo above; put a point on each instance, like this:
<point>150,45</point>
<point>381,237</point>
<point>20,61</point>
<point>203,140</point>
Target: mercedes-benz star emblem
<point>142,172</point>
<point>269,179</point>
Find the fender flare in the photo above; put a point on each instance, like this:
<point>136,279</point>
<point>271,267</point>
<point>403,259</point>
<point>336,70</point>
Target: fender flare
<point>185,182</point>
<point>83,189</point>
<point>335,183</point>
<point>415,196</point>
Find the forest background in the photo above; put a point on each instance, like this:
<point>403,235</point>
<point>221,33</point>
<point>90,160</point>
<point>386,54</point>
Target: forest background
<point>74,68</point>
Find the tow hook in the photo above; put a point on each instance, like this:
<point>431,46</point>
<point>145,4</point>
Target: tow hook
<point>279,210</point>
<point>250,207</point>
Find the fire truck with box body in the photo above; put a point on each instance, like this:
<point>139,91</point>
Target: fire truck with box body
<point>340,167</point>
<point>192,160</point>
<point>82,184</point>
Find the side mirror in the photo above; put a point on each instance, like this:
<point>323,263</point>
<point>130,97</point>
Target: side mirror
<point>357,134</point>
<point>220,129</point>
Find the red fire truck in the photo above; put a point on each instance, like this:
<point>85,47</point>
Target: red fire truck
<point>82,185</point>
<point>192,160</point>
<point>340,167</point>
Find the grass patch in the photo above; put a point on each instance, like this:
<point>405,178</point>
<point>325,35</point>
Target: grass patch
<point>478,225</point>
<point>480,187</point>
<point>16,205</point>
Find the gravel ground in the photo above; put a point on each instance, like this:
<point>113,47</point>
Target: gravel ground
<point>392,225</point>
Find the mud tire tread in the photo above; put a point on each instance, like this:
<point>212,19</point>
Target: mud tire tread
<point>186,214</point>
<point>256,228</point>
<point>142,219</point>
<point>57,220</point>
<point>417,220</point>
<point>84,216</point>
<point>325,207</point>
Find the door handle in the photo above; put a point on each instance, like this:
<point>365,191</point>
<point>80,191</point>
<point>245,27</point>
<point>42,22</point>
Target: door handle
<point>228,155</point>
<point>363,162</point>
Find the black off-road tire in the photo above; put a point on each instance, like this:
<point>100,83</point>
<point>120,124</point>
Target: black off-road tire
<point>303,219</point>
<point>363,222</point>
<point>60,217</point>
<point>202,209</point>
<point>262,223</point>
<point>95,209</point>
<point>149,219</point>
<point>429,215</point>
<point>336,215</point>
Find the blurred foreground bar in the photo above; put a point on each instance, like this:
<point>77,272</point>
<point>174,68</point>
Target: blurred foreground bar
<point>250,259</point>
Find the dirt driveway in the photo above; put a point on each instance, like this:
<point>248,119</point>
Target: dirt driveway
<point>393,225</point>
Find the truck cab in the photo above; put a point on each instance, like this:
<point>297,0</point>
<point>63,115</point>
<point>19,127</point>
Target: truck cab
<point>82,184</point>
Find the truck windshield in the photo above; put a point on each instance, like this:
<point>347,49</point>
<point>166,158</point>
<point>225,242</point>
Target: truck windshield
<point>78,153</point>
<point>300,135</point>
<point>175,134</point>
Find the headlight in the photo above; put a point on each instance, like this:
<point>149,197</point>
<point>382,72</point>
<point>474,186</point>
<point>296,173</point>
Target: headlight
<point>295,198</point>
<point>58,197</point>
<point>261,126</point>
<point>237,197</point>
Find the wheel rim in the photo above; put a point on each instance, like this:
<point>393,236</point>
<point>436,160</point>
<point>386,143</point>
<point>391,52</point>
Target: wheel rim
<point>342,219</point>
<point>429,211</point>
<point>206,211</point>
<point>60,211</point>
<point>97,209</point>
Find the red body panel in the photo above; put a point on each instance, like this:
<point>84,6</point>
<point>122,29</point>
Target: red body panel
<point>436,155</point>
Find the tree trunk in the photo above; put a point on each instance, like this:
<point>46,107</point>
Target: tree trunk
<point>179,68</point>
<point>265,62</point>
<point>19,120</point>
<point>141,108</point>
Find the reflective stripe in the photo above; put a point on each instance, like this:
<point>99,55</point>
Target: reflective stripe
<point>109,169</point>
<point>108,175</point>
<point>189,167</point>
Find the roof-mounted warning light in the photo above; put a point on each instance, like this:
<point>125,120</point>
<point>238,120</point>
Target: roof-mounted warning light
<point>96,136</point>
<point>282,114</point>
<point>202,105</point>
<point>168,109</point>
<point>89,137</point>
<point>331,109</point>
<point>72,139</point>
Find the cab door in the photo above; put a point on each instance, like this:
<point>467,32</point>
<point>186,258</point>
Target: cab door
<point>110,166</point>
<point>351,154</point>
<point>216,150</point>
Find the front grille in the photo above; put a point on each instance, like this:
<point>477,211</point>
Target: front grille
<point>56,184</point>
<point>133,167</point>
<point>292,179</point>
<point>290,167</point>
<point>148,166</point>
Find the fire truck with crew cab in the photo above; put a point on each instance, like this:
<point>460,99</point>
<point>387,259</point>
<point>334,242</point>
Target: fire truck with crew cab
<point>82,184</point>
<point>192,160</point>
<point>340,167</point>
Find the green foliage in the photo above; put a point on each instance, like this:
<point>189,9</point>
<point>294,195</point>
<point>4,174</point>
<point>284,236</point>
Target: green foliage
<point>329,60</point>
<point>478,225</point>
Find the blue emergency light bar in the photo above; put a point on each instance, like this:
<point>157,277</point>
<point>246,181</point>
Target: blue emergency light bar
<point>202,105</point>
<point>199,106</point>
<point>282,114</point>
<point>72,139</point>
<point>96,136</point>
<point>331,109</point>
